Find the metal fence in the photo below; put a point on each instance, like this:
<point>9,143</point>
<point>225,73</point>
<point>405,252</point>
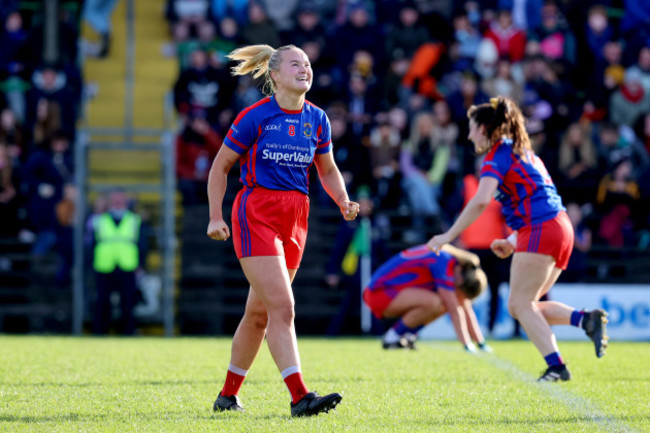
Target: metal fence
<point>87,182</point>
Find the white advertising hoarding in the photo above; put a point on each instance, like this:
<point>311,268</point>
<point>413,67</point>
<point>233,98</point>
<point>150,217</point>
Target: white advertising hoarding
<point>628,307</point>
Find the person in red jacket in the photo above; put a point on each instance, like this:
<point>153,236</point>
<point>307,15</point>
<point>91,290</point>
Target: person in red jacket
<point>196,147</point>
<point>509,40</point>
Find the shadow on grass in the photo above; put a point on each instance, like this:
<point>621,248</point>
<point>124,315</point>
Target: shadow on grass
<point>246,416</point>
<point>52,418</point>
<point>217,381</point>
<point>104,384</point>
<point>75,417</point>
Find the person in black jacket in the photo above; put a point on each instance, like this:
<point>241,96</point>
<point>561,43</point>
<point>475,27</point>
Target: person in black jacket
<point>203,89</point>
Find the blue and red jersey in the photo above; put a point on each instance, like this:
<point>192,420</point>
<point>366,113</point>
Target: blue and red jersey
<point>525,190</point>
<point>278,146</point>
<point>415,268</point>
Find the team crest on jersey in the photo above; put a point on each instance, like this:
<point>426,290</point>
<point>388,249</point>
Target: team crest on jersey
<point>306,129</point>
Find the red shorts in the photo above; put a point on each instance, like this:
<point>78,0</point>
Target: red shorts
<point>553,237</point>
<point>267,222</point>
<point>377,301</point>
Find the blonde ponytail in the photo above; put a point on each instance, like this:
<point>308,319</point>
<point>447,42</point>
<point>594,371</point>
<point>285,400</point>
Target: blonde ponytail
<point>258,60</point>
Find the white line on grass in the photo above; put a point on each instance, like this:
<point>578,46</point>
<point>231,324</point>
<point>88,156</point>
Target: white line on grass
<point>574,402</point>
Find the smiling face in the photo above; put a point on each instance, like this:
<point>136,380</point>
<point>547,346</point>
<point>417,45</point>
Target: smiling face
<point>294,73</point>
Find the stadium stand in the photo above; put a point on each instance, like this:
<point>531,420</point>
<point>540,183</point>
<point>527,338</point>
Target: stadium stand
<point>582,77</point>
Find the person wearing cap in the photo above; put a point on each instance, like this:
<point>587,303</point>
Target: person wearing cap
<point>630,100</point>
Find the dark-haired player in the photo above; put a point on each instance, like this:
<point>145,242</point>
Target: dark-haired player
<point>417,286</point>
<point>543,238</point>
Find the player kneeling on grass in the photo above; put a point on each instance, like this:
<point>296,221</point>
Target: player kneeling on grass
<point>418,286</point>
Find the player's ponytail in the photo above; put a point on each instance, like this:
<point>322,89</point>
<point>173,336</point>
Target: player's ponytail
<point>502,118</point>
<point>258,60</point>
<point>515,126</point>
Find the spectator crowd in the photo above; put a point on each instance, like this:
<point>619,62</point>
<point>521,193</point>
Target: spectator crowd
<point>396,78</point>
<point>40,100</point>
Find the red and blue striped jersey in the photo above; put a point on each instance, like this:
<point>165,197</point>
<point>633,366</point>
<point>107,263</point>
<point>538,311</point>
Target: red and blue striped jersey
<point>415,268</point>
<point>277,146</point>
<point>525,190</point>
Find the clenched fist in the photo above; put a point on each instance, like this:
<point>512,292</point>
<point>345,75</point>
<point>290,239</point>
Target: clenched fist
<point>502,248</point>
<point>218,230</point>
<point>349,209</point>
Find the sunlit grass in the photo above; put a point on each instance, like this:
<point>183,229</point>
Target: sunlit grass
<point>161,385</point>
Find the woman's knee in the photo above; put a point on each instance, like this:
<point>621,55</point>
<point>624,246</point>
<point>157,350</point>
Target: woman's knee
<point>257,318</point>
<point>282,314</point>
<point>433,305</point>
<point>517,305</point>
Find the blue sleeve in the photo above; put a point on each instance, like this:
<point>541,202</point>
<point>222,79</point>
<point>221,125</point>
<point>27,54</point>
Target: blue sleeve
<point>243,133</point>
<point>324,136</point>
<point>497,163</point>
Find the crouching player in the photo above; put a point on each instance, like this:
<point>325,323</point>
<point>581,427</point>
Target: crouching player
<point>417,286</point>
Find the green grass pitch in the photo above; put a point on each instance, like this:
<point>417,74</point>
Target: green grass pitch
<point>65,384</point>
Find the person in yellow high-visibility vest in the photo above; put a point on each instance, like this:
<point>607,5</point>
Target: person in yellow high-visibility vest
<point>118,255</point>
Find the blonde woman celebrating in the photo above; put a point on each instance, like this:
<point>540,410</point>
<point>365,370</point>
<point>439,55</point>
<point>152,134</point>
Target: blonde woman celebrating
<point>275,140</point>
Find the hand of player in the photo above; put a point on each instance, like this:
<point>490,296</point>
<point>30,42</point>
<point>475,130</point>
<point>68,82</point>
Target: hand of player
<point>502,248</point>
<point>218,230</point>
<point>436,243</point>
<point>349,209</point>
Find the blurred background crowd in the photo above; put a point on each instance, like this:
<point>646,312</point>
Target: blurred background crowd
<point>395,77</point>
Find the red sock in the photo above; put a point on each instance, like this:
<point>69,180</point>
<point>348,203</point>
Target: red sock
<point>296,386</point>
<point>233,383</point>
